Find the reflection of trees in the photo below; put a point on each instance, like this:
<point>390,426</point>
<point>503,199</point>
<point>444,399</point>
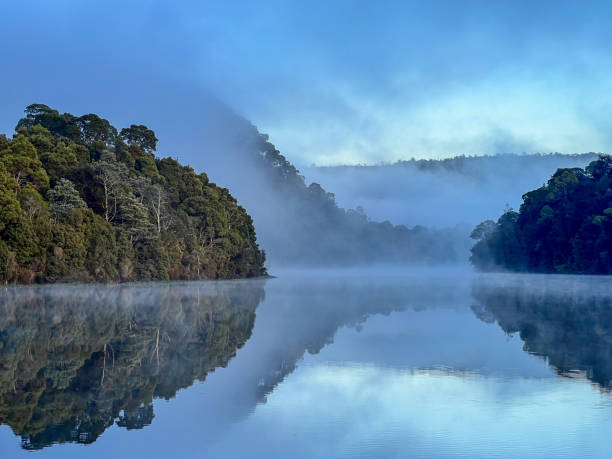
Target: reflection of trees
<point>75,359</point>
<point>566,320</point>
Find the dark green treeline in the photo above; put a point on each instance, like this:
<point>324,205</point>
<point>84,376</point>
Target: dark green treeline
<point>80,200</point>
<point>565,226</point>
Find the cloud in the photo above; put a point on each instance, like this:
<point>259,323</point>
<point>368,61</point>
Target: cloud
<point>341,82</point>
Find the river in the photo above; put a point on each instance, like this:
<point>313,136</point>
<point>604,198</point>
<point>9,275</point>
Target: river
<point>376,363</point>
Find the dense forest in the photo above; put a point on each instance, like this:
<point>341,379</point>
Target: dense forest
<point>80,200</point>
<point>564,226</point>
<point>77,360</point>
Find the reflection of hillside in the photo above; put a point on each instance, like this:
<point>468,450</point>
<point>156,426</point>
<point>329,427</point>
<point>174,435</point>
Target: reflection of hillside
<point>567,320</point>
<point>74,359</point>
<point>310,312</point>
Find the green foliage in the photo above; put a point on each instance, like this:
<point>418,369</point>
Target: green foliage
<point>20,160</point>
<point>77,203</point>
<point>144,162</point>
<point>140,135</point>
<point>10,210</point>
<point>63,199</point>
<point>564,226</point>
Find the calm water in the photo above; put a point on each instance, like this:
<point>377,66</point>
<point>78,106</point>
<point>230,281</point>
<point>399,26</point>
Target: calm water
<point>385,364</point>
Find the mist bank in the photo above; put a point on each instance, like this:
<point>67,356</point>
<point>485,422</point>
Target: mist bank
<point>442,193</point>
<point>299,223</point>
<point>417,212</point>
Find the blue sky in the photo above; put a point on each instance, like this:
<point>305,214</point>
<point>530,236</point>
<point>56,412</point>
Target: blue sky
<point>330,81</point>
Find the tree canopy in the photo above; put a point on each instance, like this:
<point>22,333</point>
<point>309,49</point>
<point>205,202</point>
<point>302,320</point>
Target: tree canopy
<point>564,226</point>
<point>80,200</point>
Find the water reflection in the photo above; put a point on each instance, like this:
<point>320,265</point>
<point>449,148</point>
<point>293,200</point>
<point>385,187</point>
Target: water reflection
<point>566,319</point>
<point>308,311</point>
<point>408,350</point>
<point>75,360</point>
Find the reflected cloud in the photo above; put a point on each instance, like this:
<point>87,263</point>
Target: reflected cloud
<point>368,411</point>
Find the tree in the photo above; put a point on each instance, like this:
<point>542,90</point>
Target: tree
<point>32,203</point>
<point>156,199</point>
<point>10,210</point>
<point>483,230</point>
<point>96,129</point>
<point>34,114</point>
<point>20,159</point>
<point>63,159</point>
<point>63,198</point>
<point>113,176</point>
<point>133,215</point>
<point>140,135</point>
<point>61,125</point>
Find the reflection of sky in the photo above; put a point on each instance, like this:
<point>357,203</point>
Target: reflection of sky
<point>430,380</point>
<point>368,411</point>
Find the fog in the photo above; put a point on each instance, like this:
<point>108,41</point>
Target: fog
<point>442,193</point>
<point>448,197</point>
<point>200,75</point>
<point>373,336</point>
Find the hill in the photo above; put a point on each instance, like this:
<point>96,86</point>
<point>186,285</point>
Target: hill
<point>81,200</point>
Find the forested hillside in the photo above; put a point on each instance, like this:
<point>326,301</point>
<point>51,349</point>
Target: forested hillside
<point>337,236</point>
<point>564,226</point>
<point>81,200</point>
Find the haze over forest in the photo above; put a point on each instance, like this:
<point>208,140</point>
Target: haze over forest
<point>226,78</point>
